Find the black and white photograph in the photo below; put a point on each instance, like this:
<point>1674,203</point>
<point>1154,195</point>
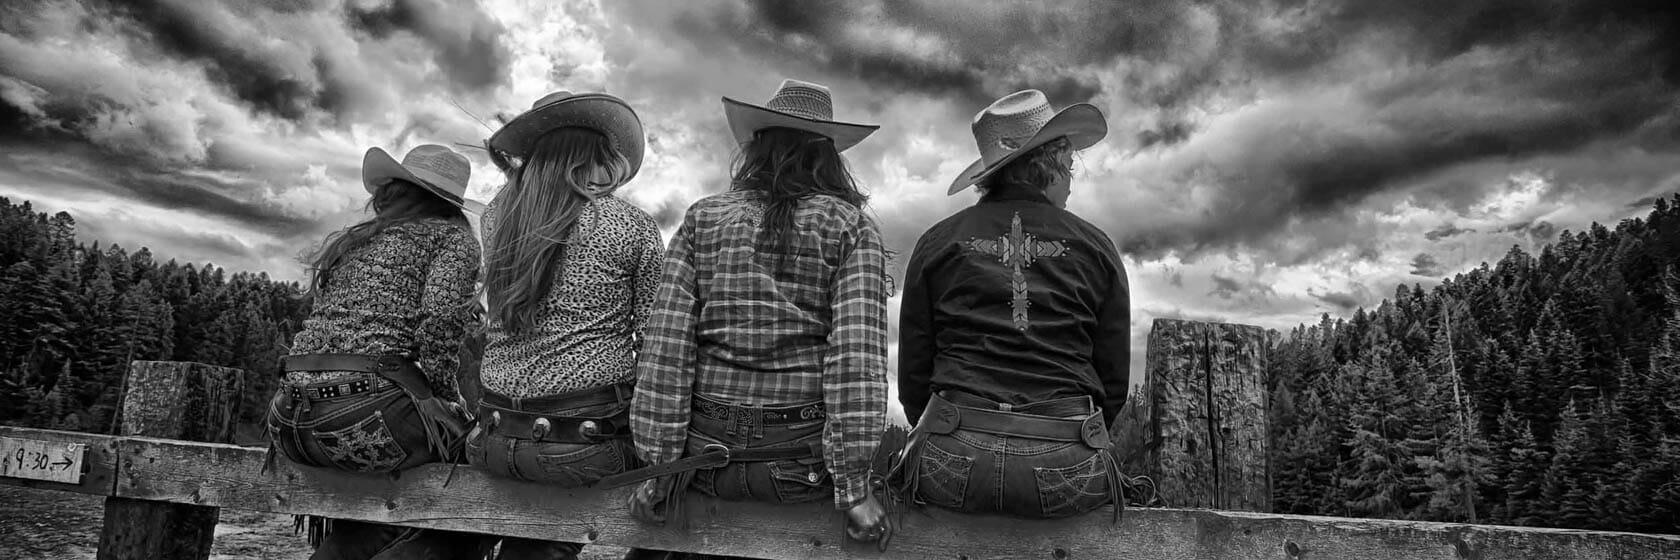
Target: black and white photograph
<point>839,279</point>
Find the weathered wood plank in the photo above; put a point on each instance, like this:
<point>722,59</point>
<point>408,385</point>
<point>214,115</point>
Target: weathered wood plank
<point>179,400</point>
<point>229,476</point>
<point>1208,412</point>
<point>99,464</point>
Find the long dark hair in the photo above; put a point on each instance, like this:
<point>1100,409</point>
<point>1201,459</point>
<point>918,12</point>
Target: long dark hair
<point>393,203</point>
<point>787,166</point>
<point>1030,173</point>
<point>545,195</point>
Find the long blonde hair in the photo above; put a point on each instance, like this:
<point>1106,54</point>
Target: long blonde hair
<point>546,193</point>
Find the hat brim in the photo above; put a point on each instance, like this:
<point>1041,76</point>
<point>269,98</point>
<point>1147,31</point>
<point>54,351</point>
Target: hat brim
<point>378,167</point>
<point>745,119</point>
<point>600,112</point>
<point>1083,125</point>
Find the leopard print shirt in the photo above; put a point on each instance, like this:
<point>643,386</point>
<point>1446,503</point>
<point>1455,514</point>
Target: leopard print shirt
<point>589,329</point>
<point>406,290</point>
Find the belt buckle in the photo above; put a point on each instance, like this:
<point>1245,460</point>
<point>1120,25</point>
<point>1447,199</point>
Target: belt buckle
<point>721,448</point>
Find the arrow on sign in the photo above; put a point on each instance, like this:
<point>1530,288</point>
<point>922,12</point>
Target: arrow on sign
<point>65,464</point>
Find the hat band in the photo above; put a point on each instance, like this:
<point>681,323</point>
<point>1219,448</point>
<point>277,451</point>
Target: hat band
<point>439,184</point>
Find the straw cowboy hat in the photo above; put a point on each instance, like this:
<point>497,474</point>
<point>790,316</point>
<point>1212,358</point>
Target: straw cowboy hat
<point>435,168</point>
<point>1021,121</point>
<point>600,112</point>
<point>797,105</point>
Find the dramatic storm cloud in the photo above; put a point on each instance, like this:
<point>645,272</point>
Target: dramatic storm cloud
<point>1267,161</point>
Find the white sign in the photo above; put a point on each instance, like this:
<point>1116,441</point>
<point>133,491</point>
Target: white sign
<point>53,461</point>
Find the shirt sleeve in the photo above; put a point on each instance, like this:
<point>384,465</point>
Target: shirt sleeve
<point>916,348</point>
<point>648,266</point>
<point>659,413</point>
<point>1112,347</point>
<point>855,368</point>
<point>445,315</point>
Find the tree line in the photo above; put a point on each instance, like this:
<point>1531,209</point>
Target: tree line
<point>1541,390</point>
<point>73,315</point>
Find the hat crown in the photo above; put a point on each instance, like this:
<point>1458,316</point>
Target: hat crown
<point>551,99</point>
<point>1006,124</point>
<point>442,162</point>
<point>802,99</point>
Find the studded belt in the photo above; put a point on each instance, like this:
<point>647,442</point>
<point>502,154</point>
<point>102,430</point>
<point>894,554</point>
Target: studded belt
<point>555,429</point>
<point>340,388</point>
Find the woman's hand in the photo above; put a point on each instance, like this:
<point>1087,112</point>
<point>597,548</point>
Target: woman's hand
<point>868,522</point>
<point>645,503</point>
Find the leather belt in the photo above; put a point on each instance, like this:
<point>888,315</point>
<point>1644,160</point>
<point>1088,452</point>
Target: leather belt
<point>711,457</point>
<point>336,389</point>
<point>943,417</point>
<point>755,416</point>
<point>398,369</point>
<point>556,429</point>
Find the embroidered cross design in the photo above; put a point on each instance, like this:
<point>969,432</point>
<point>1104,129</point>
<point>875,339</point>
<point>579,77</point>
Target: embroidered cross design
<point>1018,250</point>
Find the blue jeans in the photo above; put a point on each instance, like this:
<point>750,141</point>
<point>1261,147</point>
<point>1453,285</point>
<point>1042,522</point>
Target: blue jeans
<point>371,432</point>
<point>971,471</point>
<point>793,481</point>
<point>567,465</point>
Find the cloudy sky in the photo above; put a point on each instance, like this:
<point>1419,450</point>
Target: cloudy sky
<point>1268,161</point>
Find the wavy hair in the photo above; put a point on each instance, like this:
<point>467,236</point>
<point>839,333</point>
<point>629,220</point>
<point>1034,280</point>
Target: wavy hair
<point>393,203</point>
<point>787,166</point>
<point>1032,172</point>
<point>545,195</point>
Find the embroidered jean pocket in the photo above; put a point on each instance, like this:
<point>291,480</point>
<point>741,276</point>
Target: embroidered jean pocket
<point>942,476</point>
<point>366,446</point>
<point>580,467</point>
<point>801,481</point>
<point>1066,491</point>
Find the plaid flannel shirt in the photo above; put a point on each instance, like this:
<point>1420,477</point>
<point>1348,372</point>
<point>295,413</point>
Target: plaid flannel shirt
<point>727,325</point>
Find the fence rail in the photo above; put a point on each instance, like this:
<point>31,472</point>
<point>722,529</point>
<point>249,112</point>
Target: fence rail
<point>217,475</point>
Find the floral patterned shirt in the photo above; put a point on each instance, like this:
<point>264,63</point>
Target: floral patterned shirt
<point>407,290</point>
<point>588,328</point>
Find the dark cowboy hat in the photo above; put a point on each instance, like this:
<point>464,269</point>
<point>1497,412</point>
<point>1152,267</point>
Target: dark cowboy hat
<point>600,112</point>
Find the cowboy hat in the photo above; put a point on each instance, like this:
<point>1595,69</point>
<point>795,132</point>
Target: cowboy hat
<point>1021,121</point>
<point>797,105</point>
<point>600,112</point>
<point>435,168</point>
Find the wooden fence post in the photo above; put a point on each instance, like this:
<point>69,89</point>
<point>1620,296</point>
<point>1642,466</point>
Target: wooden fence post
<point>1208,415</point>
<point>175,400</point>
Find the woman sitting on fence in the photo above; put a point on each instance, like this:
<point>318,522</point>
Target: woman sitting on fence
<point>570,272</point>
<point>765,360</point>
<point>370,384</point>
<point>1014,330</point>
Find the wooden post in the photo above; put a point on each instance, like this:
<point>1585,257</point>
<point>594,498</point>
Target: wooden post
<point>175,400</point>
<point>1208,415</point>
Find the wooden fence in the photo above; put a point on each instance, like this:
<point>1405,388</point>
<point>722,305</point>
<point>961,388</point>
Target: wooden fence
<point>169,471</point>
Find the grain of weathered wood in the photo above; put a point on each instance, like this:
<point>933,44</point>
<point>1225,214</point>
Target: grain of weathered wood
<point>182,400</point>
<point>178,400</point>
<point>229,476</point>
<point>99,463</point>
<point>1208,411</point>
